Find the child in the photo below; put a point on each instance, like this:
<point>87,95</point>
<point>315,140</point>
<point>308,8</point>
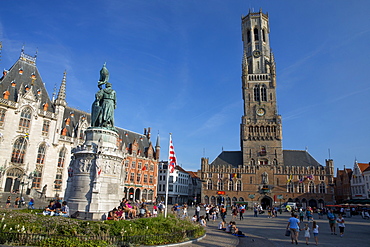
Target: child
<point>340,222</point>
<point>315,231</point>
<point>307,232</point>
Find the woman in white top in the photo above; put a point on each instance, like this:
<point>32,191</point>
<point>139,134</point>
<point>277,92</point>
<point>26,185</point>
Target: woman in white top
<point>315,231</point>
<point>307,233</point>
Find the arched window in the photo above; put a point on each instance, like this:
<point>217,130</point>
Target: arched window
<point>206,200</point>
<point>263,35</point>
<point>62,156</point>
<point>25,120</point>
<point>209,185</point>
<point>322,188</point>
<point>231,185</point>
<point>249,36</point>
<point>19,150</point>
<point>263,93</point>
<point>41,154</point>
<point>311,187</point>
<point>290,188</point>
<point>300,188</point>
<point>255,34</point>
<point>220,185</point>
<point>256,93</point>
<point>239,185</point>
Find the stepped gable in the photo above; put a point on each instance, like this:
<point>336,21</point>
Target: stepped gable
<point>24,74</point>
<point>72,119</point>
<point>231,158</point>
<point>134,141</point>
<point>299,158</point>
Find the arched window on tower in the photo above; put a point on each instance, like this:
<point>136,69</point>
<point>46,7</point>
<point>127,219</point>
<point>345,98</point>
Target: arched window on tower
<point>255,34</point>
<point>263,93</point>
<point>209,184</point>
<point>256,93</point>
<point>263,35</point>
<point>249,36</point>
<point>19,150</point>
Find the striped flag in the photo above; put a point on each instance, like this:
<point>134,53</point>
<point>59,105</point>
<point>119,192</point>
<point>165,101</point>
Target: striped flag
<point>171,157</point>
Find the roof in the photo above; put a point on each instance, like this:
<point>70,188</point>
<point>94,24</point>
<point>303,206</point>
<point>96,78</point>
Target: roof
<point>363,166</point>
<point>291,158</point>
<point>233,158</point>
<point>193,174</point>
<point>299,158</point>
<point>22,74</point>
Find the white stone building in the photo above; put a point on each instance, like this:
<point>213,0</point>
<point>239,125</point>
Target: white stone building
<point>358,182</point>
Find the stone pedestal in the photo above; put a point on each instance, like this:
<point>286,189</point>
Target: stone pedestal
<point>95,175</point>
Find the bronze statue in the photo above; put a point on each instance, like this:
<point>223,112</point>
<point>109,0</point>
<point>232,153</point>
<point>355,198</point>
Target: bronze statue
<point>102,112</point>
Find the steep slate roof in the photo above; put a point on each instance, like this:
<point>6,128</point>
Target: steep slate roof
<point>291,158</point>
<point>299,158</point>
<point>233,158</point>
<point>28,65</point>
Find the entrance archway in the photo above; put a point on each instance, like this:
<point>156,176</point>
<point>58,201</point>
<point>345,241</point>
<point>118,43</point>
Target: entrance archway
<point>312,203</point>
<point>266,202</point>
<point>137,194</point>
<point>13,181</point>
<point>131,194</point>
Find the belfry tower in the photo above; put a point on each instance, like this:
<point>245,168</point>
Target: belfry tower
<point>261,128</point>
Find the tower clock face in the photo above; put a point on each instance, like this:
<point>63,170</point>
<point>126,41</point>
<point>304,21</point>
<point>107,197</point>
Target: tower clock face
<point>261,112</point>
<point>256,53</point>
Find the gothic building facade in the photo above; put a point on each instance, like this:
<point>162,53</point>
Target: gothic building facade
<point>262,172</point>
<point>37,134</point>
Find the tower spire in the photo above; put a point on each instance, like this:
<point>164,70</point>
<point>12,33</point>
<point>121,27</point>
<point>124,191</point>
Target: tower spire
<point>61,98</point>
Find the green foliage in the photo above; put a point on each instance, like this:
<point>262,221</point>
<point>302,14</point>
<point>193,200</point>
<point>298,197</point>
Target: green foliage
<point>20,224</point>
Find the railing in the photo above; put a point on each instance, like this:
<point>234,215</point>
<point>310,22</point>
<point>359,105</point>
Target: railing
<point>40,239</point>
<point>259,77</point>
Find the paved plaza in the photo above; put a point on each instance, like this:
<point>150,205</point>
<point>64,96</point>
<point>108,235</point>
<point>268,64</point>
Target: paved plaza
<point>263,231</point>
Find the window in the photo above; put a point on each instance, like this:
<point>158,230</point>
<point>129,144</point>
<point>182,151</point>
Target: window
<point>132,177</point>
<point>210,175</point>
<point>45,127</point>
<point>239,185</point>
<point>126,163</point>
<point>231,185</point>
<point>151,167</point>
<point>138,178</point>
<point>25,120</point>
<point>19,150</point>
<point>133,165</point>
<point>290,188</point>
<point>256,93</point>
<point>2,117</point>
<point>322,188</point>
<point>251,180</point>
<point>220,185</point>
<point>255,31</point>
<point>170,187</point>
<point>145,178</point>
<point>220,175</point>
<point>139,166</point>
<point>62,157</point>
<point>248,36</point>
<point>209,185</point>
<point>36,182</point>
<point>311,187</point>
<point>263,35</point>
<point>58,181</point>
<point>151,179</point>
<point>300,188</point>
<point>41,154</point>
<point>263,93</point>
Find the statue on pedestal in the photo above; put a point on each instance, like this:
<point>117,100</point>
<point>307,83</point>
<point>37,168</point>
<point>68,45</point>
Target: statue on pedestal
<point>102,111</point>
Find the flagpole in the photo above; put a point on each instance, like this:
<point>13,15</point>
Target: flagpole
<point>167,179</point>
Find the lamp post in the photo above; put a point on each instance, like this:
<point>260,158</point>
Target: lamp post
<point>22,199</point>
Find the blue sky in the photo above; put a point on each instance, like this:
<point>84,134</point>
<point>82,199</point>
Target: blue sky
<point>176,67</point>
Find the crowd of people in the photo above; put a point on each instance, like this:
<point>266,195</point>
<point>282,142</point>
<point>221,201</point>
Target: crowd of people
<point>57,208</point>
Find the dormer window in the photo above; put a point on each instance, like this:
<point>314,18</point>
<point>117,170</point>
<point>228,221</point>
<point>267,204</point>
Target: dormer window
<point>20,71</point>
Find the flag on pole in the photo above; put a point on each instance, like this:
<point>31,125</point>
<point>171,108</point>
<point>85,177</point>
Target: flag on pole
<point>171,157</point>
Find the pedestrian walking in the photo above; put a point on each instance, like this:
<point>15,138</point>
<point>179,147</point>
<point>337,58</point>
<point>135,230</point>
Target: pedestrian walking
<point>307,233</point>
<point>255,211</point>
<point>241,212</point>
<point>331,218</point>
<point>293,225</point>
<point>315,231</point>
<point>340,222</point>
<point>8,202</point>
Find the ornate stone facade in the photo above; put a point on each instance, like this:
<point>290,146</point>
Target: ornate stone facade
<point>262,172</point>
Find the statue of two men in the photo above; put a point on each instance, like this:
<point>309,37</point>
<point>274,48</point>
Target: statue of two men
<point>102,112</point>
